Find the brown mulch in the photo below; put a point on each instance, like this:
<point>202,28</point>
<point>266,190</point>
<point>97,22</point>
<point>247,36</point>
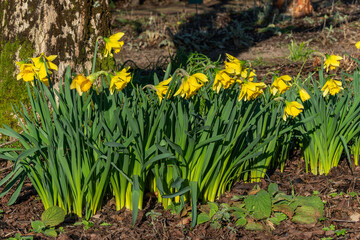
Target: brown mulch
<point>341,210</point>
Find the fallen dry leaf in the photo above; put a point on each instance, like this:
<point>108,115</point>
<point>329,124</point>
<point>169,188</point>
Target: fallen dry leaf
<point>355,217</point>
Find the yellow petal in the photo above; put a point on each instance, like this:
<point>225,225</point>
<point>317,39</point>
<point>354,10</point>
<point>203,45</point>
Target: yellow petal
<point>357,45</point>
<point>304,96</point>
<point>116,36</point>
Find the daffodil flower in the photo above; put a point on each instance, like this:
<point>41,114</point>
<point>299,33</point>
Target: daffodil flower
<point>81,83</point>
<point>120,80</point>
<point>112,42</point>
<point>27,72</point>
<point>248,74</point>
<point>191,85</point>
<point>292,109</point>
<point>332,61</point>
<point>222,79</point>
<point>280,84</point>
<point>233,65</point>
<point>251,90</point>
<point>331,86</point>
<point>162,88</point>
<point>40,62</point>
<point>357,45</point>
<point>304,95</point>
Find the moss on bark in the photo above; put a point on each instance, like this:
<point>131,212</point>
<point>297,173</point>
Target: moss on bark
<point>12,91</point>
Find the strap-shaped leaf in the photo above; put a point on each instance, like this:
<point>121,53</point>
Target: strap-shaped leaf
<point>178,193</point>
<point>135,198</point>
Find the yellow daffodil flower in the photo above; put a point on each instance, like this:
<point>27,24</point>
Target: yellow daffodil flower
<point>40,62</point>
<point>292,109</point>
<point>304,95</point>
<point>120,80</point>
<point>331,86</point>
<point>191,85</point>
<point>112,42</point>
<point>162,88</point>
<point>357,45</point>
<point>233,65</point>
<point>332,61</point>
<point>280,85</point>
<point>248,74</point>
<point>81,83</point>
<point>222,79</point>
<point>27,72</point>
<point>251,90</point>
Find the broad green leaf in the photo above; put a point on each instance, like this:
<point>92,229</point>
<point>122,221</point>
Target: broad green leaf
<point>241,222</point>
<point>279,217</point>
<point>213,209</point>
<point>50,233</point>
<point>38,226</point>
<point>313,201</point>
<point>259,204</point>
<point>254,226</point>
<point>304,219</point>
<point>308,211</point>
<point>273,189</point>
<point>53,216</point>
<point>284,208</point>
<point>202,218</point>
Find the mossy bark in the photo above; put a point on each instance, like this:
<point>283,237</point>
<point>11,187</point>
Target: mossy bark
<point>67,28</point>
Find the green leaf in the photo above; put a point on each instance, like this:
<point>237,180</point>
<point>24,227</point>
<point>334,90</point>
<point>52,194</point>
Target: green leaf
<point>50,233</point>
<point>241,222</point>
<point>284,208</point>
<point>179,193</point>
<point>38,226</point>
<point>213,209</point>
<point>259,204</point>
<point>215,225</point>
<point>202,218</point>
<point>194,198</point>
<point>273,189</point>
<point>254,226</point>
<point>105,224</point>
<point>239,213</point>
<point>136,198</point>
<point>303,219</point>
<point>53,216</point>
<point>313,201</point>
<point>308,211</point>
<point>279,217</point>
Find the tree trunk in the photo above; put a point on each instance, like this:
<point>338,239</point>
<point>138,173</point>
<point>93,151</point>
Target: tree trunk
<point>66,28</point>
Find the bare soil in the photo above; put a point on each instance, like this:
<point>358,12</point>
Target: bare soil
<point>153,33</point>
